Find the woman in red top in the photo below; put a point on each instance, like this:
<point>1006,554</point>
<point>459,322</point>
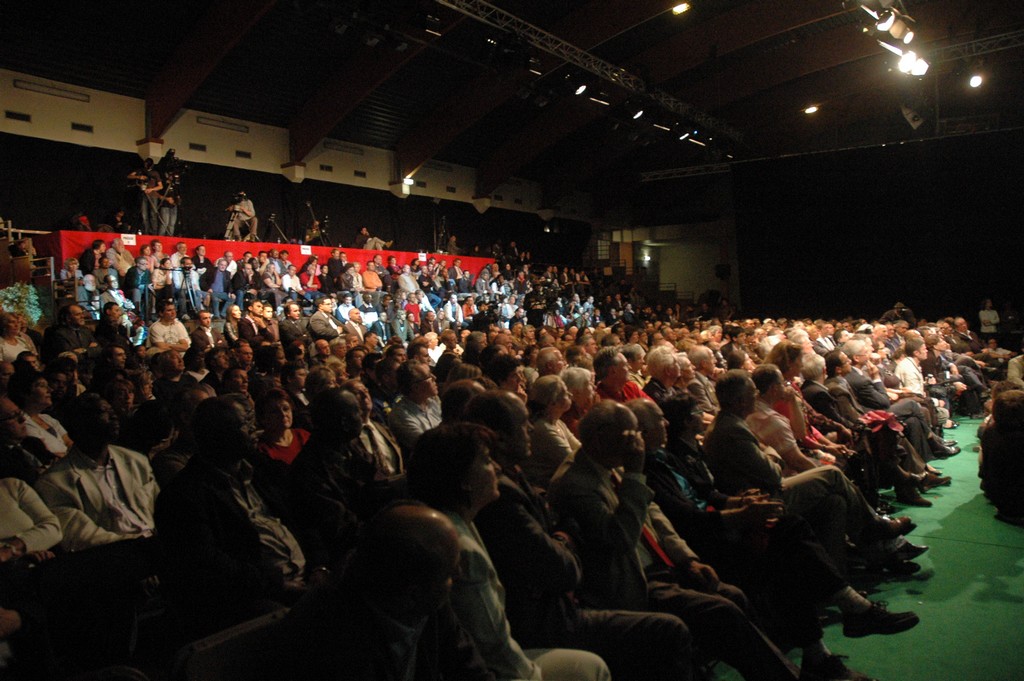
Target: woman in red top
<point>279,440</point>
<point>310,281</point>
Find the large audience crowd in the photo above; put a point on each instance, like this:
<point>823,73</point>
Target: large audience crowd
<point>516,473</point>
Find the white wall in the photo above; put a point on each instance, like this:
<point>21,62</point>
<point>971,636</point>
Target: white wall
<point>118,122</point>
<point>689,260</point>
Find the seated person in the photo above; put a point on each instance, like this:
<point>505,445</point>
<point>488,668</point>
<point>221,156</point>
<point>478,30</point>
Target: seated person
<point>226,530</point>
<point>167,332</point>
<point>388,615</point>
<point>328,499</point>
<point>748,539</point>
<point>1003,463</point>
<point>632,557</point>
<point>419,409</point>
<point>537,564</point>
<point>823,495</point>
<point>101,493</point>
<point>31,391</point>
<point>451,470</point>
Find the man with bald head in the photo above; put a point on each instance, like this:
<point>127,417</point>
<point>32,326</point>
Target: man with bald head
<point>388,615</point>
<point>550,362</point>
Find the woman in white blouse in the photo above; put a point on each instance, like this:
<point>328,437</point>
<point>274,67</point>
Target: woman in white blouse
<point>12,341</point>
<point>31,392</point>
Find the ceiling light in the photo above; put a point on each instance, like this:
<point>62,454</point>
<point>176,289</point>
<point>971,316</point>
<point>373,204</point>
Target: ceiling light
<point>885,20</point>
<point>638,114</point>
<point>684,135</point>
<point>581,89</point>
<point>599,101</point>
<point>659,126</point>
<point>696,142</point>
<point>920,67</point>
<point>681,7</point>
<point>976,80</point>
<point>811,109</point>
<point>907,61</point>
<point>408,182</point>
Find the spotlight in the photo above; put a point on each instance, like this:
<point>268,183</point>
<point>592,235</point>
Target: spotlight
<point>811,109</point>
<point>408,182</point>
<point>581,89</point>
<point>681,8</point>
<point>886,20</point>
<point>638,114</point>
<point>920,67</point>
<point>907,61</point>
<point>976,80</point>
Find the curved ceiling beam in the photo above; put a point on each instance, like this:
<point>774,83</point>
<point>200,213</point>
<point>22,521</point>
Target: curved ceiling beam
<point>367,70</point>
<point>214,36</point>
<point>586,27</point>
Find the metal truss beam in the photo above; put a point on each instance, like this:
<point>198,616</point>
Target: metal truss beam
<point>676,173</point>
<point>539,38</point>
<point>975,48</point>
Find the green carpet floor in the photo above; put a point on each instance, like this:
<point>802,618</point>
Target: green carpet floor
<point>969,592</point>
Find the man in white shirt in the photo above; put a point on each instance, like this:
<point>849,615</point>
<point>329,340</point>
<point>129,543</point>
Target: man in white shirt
<point>167,333</point>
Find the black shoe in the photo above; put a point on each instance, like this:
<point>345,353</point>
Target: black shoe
<point>908,551</point>
<point>830,669</point>
<point>877,620</point>
<point>911,497</point>
<point>950,443</point>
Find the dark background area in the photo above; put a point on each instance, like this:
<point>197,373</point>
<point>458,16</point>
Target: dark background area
<point>936,225</point>
<point>46,183</point>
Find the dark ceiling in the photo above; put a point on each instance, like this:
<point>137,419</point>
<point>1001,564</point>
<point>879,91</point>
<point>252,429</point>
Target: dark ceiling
<point>428,82</point>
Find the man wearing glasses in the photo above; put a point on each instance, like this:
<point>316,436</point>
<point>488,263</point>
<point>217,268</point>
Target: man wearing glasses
<point>419,408</point>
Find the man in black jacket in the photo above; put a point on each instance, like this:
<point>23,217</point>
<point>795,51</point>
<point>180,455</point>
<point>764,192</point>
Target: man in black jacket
<point>226,530</point>
<point>540,570</point>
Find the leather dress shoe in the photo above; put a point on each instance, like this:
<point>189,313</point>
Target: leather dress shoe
<point>950,443</point>
<point>888,528</point>
<point>877,620</point>
<point>908,551</point>
<point>912,498</point>
<point>931,480</point>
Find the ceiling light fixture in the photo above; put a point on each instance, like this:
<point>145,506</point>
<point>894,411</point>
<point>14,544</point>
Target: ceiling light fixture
<point>599,101</point>
<point>638,114</point>
<point>811,109</point>
<point>409,182</point>
<point>696,142</point>
<point>684,135</point>
<point>581,89</point>
<point>681,8</point>
<point>976,80</point>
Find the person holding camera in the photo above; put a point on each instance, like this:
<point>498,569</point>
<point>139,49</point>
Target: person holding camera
<point>242,213</point>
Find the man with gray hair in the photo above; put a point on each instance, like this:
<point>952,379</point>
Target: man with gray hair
<point>824,496</point>
<point>702,385</point>
<point>663,368</point>
<point>633,558</point>
<point>612,372</point>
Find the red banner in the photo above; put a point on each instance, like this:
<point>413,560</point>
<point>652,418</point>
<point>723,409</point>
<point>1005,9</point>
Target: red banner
<point>67,244</point>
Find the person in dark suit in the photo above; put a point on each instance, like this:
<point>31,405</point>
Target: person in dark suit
<point>393,596</point>
<point>633,558</point>
<point>539,568</point>
<point>291,327</point>
<point>328,498</point>
<point>322,324</point>
<point>222,567</point>
<point>204,336</point>
<point>71,335</point>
